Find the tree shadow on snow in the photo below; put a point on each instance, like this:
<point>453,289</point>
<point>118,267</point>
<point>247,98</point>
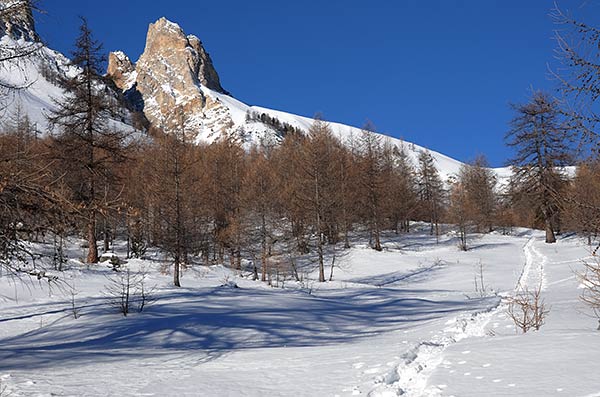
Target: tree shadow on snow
<point>203,324</point>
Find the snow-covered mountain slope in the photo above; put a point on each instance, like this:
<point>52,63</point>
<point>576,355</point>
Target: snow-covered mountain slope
<point>255,131</point>
<point>35,79</point>
<point>174,82</point>
<point>30,72</point>
<point>178,84</point>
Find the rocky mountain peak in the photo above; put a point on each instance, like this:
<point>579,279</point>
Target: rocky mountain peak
<point>120,69</point>
<point>169,79</point>
<point>16,20</point>
<point>185,54</point>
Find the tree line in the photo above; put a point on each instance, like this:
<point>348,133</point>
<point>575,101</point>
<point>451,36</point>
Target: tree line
<point>260,208</point>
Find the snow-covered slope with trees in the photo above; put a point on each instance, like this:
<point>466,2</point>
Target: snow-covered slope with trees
<point>411,320</point>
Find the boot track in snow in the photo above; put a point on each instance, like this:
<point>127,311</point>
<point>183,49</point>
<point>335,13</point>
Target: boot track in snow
<point>410,376</point>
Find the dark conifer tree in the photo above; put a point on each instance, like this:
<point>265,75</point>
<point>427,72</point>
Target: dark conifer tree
<point>86,141</point>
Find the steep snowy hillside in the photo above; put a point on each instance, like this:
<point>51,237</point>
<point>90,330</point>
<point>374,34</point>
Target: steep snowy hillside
<point>37,76</point>
<point>175,83</point>
<point>34,78</point>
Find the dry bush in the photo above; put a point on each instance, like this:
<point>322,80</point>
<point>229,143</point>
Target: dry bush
<point>128,289</point>
<point>527,309</point>
<point>590,278</point>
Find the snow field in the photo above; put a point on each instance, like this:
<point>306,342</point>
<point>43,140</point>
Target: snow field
<point>405,321</point>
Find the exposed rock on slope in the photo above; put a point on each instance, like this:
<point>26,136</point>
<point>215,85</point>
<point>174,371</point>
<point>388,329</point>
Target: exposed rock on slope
<point>179,86</point>
<point>16,20</point>
<point>120,70</point>
<point>169,76</point>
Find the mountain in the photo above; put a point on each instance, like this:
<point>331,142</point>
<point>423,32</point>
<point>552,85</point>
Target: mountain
<point>174,83</point>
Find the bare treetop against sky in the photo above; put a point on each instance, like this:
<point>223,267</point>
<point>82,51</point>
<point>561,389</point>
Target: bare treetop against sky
<point>437,73</point>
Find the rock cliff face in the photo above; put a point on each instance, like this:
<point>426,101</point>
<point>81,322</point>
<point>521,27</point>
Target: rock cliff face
<point>169,77</point>
<point>16,20</point>
<point>120,70</point>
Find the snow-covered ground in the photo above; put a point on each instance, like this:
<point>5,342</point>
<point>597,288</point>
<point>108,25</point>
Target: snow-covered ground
<point>403,321</point>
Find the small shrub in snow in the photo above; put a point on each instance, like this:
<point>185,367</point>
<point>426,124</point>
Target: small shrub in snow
<point>481,289</point>
<point>527,309</point>
<point>74,308</point>
<point>127,290</point>
<point>590,280</point>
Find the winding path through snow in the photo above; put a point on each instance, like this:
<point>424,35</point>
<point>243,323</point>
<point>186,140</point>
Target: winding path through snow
<point>533,275</point>
<point>410,377</point>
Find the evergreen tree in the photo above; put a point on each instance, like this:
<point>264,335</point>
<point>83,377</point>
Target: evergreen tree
<point>86,143</point>
<point>430,191</point>
<point>542,141</point>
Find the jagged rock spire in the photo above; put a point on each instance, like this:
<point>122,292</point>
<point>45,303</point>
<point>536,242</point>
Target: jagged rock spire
<point>169,45</point>
<point>169,77</point>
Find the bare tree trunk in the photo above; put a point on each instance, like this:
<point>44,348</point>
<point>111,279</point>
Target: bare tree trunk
<point>550,237</point>
<point>321,265</point>
<point>106,236</point>
<point>176,267</point>
<point>92,256</point>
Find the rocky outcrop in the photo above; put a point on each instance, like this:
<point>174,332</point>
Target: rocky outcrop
<point>16,20</point>
<point>169,77</point>
<point>167,44</point>
<point>121,70</point>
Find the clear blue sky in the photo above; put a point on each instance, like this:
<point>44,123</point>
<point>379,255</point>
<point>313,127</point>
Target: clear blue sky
<point>439,73</point>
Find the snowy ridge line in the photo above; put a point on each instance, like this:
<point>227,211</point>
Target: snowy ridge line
<point>410,377</point>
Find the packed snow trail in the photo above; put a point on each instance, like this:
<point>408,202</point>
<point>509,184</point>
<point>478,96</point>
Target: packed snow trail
<point>532,275</point>
<point>411,376</point>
